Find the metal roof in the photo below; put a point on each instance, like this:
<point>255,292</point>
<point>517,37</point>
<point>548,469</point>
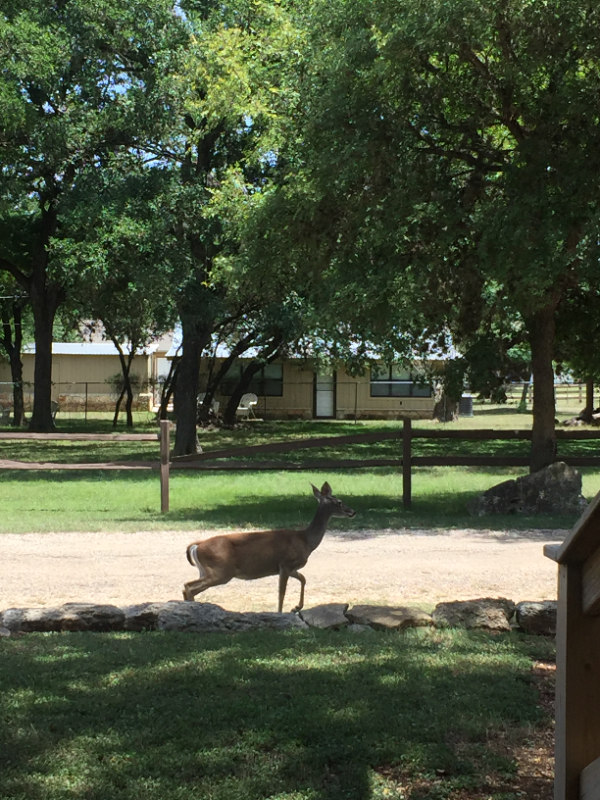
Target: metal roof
<point>89,349</point>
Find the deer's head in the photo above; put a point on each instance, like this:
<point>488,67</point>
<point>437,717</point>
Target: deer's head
<point>336,506</point>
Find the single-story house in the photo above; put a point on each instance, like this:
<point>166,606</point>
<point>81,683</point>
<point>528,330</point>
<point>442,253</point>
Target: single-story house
<point>296,389</point>
<point>85,376</point>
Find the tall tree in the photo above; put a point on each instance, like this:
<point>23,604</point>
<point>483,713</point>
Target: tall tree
<point>128,259</point>
<point>450,158</point>
<point>79,86</point>
<point>225,123</point>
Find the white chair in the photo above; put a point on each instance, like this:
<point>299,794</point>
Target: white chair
<point>246,405</point>
<point>54,409</point>
<point>4,416</point>
<point>214,405</point>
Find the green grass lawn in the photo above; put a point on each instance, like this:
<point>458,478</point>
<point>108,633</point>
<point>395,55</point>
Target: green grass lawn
<point>107,500</point>
<point>270,716</point>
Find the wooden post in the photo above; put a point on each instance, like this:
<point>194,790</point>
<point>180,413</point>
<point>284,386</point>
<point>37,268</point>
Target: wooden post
<point>165,447</point>
<point>577,686</point>
<point>406,466</point>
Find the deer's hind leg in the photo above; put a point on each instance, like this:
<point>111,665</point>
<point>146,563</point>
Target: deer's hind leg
<point>207,579</point>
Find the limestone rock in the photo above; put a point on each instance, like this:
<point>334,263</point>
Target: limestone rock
<point>142,617</point>
<point>486,612</point>
<point>355,628</point>
<point>556,489</point>
<point>69,617</point>
<point>180,615</point>
<point>388,618</point>
<point>537,617</point>
<point>327,616</point>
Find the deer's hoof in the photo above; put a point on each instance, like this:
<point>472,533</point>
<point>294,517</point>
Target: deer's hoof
<point>296,609</point>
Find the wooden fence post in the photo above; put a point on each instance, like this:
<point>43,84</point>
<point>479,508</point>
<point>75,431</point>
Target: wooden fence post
<point>165,447</point>
<point>406,466</point>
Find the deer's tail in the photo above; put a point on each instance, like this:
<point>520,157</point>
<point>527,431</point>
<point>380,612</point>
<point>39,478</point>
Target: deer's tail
<point>192,557</point>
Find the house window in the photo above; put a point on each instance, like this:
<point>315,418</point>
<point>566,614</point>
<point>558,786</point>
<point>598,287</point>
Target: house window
<point>394,381</point>
<point>267,382</point>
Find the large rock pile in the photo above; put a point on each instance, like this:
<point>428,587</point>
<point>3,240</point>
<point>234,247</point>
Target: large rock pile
<point>553,490</point>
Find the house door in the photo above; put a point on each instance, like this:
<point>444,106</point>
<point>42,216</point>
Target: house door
<point>324,407</point>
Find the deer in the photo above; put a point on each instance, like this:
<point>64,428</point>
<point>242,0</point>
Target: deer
<point>257,554</point>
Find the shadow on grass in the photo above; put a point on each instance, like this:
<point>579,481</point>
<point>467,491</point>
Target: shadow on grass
<point>378,515</point>
<point>500,411</point>
<point>302,716</point>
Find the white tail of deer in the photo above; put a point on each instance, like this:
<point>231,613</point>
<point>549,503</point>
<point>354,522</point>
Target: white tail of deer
<point>255,555</point>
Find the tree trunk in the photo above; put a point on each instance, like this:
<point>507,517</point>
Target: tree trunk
<point>196,336</point>
<point>446,408</point>
<point>44,309</point>
<point>522,407</point>
<point>45,297</point>
<point>127,390</point>
<point>269,354</point>
<point>168,388</point>
<point>204,411</point>
<point>13,345</point>
<point>118,407</point>
<point>541,338</point>
<point>586,414</point>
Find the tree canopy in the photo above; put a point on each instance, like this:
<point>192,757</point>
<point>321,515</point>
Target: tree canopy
<point>407,173</point>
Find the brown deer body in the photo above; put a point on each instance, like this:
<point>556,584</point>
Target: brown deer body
<point>248,556</point>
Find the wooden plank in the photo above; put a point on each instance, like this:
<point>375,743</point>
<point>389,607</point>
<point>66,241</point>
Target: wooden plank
<point>288,447</point>
<point>497,461</point>
<point>25,465</point>
<point>551,551</point>
<point>476,434</point>
<point>580,461</point>
<point>406,465</point>
<point>165,446</point>
<point>577,435</point>
<point>82,437</point>
<point>492,434</point>
<point>577,685</point>
<point>470,461</point>
<point>590,782</point>
<point>591,584</point>
<point>583,538</point>
<point>321,463</point>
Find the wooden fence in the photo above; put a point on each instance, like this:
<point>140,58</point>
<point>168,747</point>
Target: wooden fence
<point>163,437</point>
<point>219,459</point>
<point>222,459</point>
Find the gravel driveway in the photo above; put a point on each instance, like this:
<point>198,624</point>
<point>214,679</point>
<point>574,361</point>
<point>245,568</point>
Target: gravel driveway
<point>369,566</point>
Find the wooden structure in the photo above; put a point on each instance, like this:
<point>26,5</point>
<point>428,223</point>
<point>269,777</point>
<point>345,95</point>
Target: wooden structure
<point>577,770</point>
<point>163,464</point>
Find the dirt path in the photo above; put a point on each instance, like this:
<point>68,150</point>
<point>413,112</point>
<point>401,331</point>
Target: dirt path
<point>396,567</point>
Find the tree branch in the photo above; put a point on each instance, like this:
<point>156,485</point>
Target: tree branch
<point>12,269</point>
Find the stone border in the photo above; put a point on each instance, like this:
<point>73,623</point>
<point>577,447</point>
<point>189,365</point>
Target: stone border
<point>495,614</point>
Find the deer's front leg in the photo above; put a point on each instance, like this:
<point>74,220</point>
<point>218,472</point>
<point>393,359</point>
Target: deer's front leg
<point>284,574</point>
<point>299,577</point>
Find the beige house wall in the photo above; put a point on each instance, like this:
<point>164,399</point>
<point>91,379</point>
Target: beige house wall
<point>70,374</point>
<point>352,398</point>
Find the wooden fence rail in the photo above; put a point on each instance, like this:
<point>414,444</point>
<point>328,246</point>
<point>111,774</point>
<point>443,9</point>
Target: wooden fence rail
<point>221,459</point>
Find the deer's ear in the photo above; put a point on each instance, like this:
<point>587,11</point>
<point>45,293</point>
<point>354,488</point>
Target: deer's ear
<point>326,489</point>
<point>316,492</point>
